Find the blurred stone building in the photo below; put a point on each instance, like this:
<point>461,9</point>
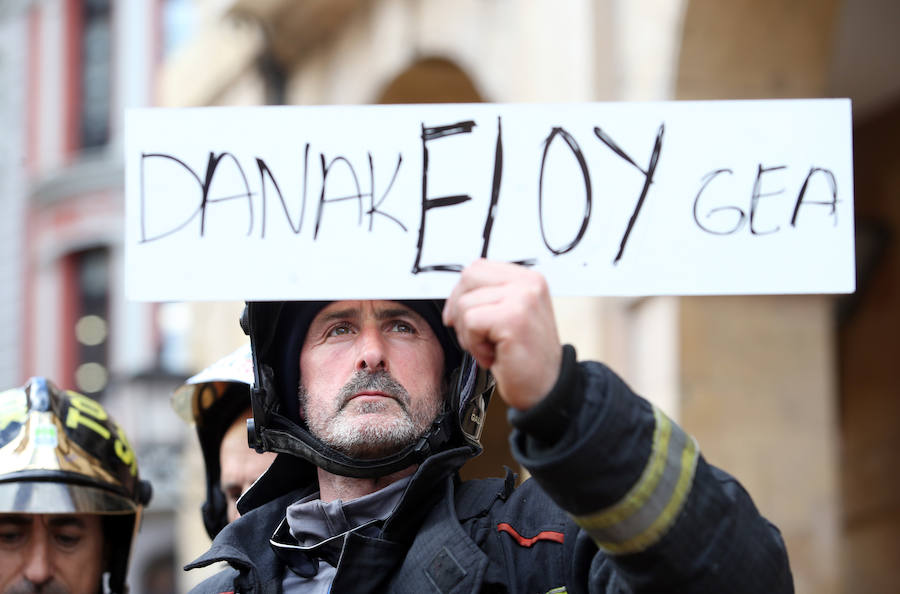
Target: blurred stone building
<point>792,394</point>
<point>68,68</point>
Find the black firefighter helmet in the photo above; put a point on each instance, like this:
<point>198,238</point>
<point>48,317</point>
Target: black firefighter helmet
<point>212,400</point>
<point>277,330</point>
<point>61,453</point>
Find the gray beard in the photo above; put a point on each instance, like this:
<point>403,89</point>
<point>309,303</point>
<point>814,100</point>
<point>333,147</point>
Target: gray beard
<point>340,429</point>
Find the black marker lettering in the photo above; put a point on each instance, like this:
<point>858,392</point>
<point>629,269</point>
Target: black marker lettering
<point>429,134</point>
<point>833,202</point>
<point>757,194</point>
<point>144,157</point>
<point>495,191</point>
<point>741,214</point>
<point>576,150</point>
<point>322,200</point>
<point>373,207</point>
<point>211,167</point>
<point>264,172</point>
<point>648,178</point>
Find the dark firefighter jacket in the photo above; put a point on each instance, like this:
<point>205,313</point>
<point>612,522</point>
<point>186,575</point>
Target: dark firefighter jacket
<point>620,501</point>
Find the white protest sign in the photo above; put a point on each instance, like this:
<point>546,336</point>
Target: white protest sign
<point>329,202</point>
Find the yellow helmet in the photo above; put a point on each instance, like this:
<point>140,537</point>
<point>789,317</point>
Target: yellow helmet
<point>60,452</point>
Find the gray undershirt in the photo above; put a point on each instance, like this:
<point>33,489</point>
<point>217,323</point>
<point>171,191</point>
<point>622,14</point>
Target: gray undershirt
<point>312,521</point>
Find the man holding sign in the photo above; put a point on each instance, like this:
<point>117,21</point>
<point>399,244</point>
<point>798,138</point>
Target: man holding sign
<point>374,406</point>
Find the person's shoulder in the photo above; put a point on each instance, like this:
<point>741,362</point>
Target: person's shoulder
<point>504,496</point>
<point>218,583</point>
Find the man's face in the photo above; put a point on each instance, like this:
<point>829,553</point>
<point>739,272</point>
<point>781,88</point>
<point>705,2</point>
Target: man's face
<point>370,377</point>
<point>239,464</point>
<point>55,554</point>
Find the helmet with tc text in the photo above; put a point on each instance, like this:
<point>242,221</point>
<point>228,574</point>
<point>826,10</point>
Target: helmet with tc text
<point>212,400</point>
<point>277,332</point>
<point>61,453</point>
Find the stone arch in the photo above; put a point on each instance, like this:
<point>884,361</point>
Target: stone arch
<point>431,80</point>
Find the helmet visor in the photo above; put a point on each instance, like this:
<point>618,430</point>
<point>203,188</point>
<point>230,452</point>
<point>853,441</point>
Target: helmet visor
<point>46,497</point>
<point>201,391</point>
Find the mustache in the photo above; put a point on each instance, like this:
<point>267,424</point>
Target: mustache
<point>380,381</point>
<point>26,587</point>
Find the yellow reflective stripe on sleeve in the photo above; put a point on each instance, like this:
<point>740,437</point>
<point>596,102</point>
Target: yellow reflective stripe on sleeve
<point>665,520</point>
<point>638,495</point>
<point>651,506</point>
<point>560,590</point>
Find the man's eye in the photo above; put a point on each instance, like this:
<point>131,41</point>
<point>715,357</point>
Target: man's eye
<point>11,537</point>
<point>340,330</point>
<point>401,326</point>
<point>66,540</point>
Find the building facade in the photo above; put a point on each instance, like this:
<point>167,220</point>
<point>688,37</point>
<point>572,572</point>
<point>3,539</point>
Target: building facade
<point>69,68</point>
<point>792,394</point>
<point>779,389</point>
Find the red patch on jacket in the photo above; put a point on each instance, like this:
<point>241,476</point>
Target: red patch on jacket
<point>528,542</point>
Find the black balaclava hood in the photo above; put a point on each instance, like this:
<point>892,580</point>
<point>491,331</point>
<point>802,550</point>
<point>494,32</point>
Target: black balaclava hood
<point>277,331</point>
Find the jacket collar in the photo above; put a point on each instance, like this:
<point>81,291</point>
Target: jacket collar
<point>288,473</point>
<point>442,554</point>
<point>244,544</point>
<point>240,542</point>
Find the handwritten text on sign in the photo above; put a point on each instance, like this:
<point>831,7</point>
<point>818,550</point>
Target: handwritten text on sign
<point>392,201</point>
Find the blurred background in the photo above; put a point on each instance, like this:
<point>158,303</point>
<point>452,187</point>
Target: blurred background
<point>795,395</point>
